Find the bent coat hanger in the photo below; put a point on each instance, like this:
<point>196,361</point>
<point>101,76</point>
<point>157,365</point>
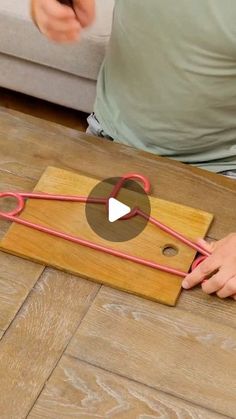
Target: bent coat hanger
<point>21,197</point>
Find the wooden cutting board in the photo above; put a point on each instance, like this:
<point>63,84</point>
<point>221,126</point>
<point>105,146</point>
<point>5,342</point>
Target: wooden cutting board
<point>91,264</point>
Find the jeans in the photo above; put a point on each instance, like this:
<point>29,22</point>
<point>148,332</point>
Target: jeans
<point>95,128</point>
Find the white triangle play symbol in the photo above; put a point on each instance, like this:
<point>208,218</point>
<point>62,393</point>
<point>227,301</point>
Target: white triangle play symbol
<point>117,210</point>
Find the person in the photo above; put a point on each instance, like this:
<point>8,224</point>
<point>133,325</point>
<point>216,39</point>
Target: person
<point>168,86</point>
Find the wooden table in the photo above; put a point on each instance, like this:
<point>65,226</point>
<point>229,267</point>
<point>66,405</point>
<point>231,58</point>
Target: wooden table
<point>70,348</point>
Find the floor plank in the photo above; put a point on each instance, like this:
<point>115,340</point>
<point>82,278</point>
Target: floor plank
<point>42,109</point>
<point>183,354</point>
<point>17,278</point>
<point>79,390</point>
<point>33,344</point>
<point>209,307</point>
<point>36,144</point>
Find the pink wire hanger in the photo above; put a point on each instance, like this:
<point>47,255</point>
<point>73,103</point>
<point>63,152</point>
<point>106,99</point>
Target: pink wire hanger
<point>21,197</point>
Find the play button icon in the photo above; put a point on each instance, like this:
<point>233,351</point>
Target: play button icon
<point>117,210</point>
<point>109,221</point>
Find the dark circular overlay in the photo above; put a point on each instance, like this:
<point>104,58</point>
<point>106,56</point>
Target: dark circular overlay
<point>133,195</point>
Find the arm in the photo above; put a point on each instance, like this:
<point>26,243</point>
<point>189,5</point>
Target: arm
<point>59,21</point>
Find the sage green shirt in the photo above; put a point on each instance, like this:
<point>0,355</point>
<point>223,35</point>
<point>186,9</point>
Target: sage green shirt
<point>168,82</point>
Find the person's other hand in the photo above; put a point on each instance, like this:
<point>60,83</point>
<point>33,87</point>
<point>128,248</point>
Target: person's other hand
<point>60,22</point>
<point>218,272</point>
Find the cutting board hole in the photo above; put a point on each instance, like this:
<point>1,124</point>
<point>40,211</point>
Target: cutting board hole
<point>169,250</point>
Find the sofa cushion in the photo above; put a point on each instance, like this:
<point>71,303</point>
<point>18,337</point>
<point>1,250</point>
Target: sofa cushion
<point>21,39</point>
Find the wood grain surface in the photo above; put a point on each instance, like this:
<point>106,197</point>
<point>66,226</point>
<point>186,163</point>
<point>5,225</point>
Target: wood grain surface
<point>42,109</point>
<point>181,360</point>
<point>79,390</point>
<point>37,144</point>
<point>37,338</point>
<point>17,277</point>
<point>208,306</point>
<point>98,266</point>
<point>175,351</point>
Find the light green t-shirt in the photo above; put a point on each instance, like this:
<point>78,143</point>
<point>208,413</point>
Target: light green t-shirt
<point>168,82</point>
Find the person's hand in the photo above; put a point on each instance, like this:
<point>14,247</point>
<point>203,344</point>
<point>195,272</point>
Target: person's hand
<point>218,272</point>
<point>60,22</point>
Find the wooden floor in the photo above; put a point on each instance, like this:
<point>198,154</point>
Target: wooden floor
<point>42,109</point>
<point>70,348</point>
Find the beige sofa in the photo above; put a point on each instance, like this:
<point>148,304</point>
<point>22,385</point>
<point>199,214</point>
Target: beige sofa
<point>63,74</point>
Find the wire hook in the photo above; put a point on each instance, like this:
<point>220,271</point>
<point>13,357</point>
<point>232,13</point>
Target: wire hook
<point>122,181</point>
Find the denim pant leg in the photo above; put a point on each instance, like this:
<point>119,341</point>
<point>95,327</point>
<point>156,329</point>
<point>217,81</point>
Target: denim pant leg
<point>229,173</point>
<point>95,128</point>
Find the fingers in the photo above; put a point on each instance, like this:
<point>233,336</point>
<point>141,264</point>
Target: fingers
<point>217,273</point>
<point>55,10</point>
<point>85,11</point>
<point>68,32</point>
<point>61,26</point>
<point>216,282</point>
<point>62,38</point>
<point>58,22</point>
<point>210,247</point>
<point>62,31</point>
<point>203,271</point>
<point>229,289</point>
